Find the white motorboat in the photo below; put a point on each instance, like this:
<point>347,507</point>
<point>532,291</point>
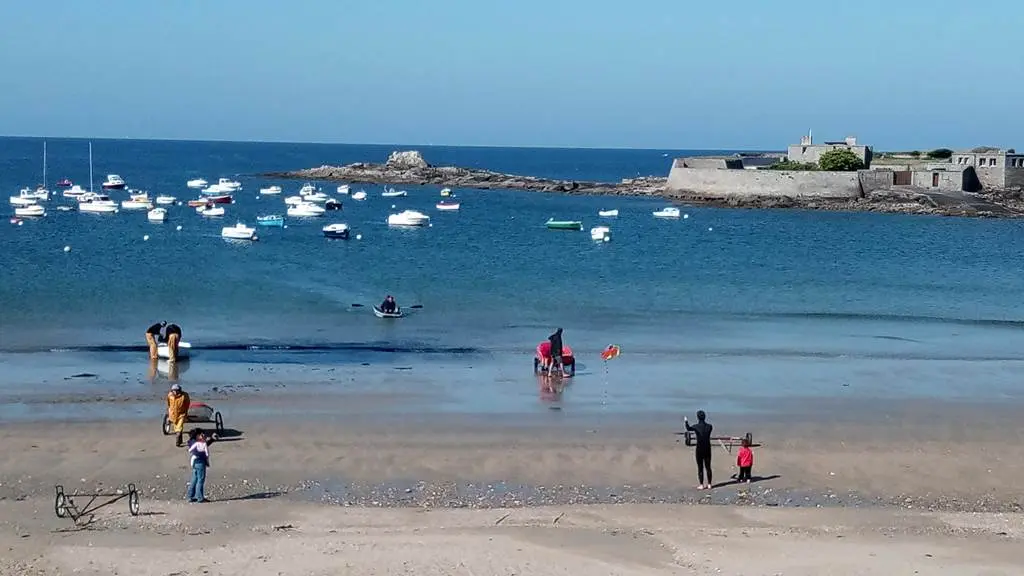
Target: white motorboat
<point>137,203</point>
<point>360,195</point>
<point>215,190</point>
<point>337,231</point>
<point>114,182</point>
<point>608,213</point>
<point>270,191</point>
<point>307,189</point>
<point>667,212</point>
<point>40,193</point>
<point>392,193</point>
<point>75,191</point>
<point>293,200</point>
<point>157,215</point>
<point>444,206</point>
<point>163,200</point>
<point>305,210</point>
<point>408,218</point>
<point>96,204</point>
<point>601,233</point>
<point>197,183</point>
<point>34,211</point>
<point>343,189</point>
<point>446,192</point>
<point>21,200</point>
<point>239,232</point>
<point>229,185</point>
<point>211,210</point>
<point>316,197</point>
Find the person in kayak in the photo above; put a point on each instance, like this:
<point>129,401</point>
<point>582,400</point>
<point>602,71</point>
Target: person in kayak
<point>152,336</point>
<point>556,349</point>
<point>389,306</point>
<point>702,434</point>
<point>172,335</point>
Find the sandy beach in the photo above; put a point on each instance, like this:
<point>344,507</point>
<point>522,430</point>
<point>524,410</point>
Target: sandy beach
<point>925,488</point>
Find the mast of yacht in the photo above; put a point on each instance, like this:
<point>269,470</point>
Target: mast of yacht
<point>44,164</point>
<point>90,166</point>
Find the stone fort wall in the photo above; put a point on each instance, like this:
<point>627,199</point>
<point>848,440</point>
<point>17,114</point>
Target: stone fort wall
<point>725,183</point>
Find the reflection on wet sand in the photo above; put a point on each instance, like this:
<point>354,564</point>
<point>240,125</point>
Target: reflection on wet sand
<point>551,387</point>
<point>173,370</point>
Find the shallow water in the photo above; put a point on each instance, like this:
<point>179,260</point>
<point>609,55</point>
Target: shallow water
<point>713,309</point>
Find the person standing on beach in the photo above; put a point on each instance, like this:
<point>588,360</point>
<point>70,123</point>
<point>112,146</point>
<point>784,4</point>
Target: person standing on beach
<point>702,434</point>
<point>199,460</point>
<point>152,336</point>
<point>173,335</point>
<point>177,410</point>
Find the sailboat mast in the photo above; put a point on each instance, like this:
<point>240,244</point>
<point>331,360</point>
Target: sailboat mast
<point>90,166</point>
<point>44,163</point>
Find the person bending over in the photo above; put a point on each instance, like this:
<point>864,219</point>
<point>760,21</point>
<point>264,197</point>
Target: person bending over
<point>173,335</point>
<point>152,337</point>
<point>556,349</point>
<point>702,434</point>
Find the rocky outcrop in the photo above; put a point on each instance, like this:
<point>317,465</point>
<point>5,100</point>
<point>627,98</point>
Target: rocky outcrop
<point>409,167</point>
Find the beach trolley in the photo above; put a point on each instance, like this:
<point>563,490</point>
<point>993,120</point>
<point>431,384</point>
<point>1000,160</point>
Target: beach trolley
<point>65,506</point>
<point>726,442</point>
<point>198,413</point>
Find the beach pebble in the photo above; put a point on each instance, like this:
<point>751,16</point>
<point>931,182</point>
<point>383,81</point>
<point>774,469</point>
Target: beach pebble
<point>67,248</point>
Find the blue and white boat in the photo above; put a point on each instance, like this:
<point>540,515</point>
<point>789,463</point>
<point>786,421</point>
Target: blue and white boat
<point>272,220</point>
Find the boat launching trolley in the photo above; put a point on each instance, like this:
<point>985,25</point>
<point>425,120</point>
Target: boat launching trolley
<point>65,506</point>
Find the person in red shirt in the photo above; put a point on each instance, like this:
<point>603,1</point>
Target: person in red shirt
<point>745,460</point>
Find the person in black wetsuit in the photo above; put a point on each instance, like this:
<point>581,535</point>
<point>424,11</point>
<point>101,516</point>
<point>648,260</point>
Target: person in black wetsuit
<point>702,433</point>
<point>389,306</point>
<point>172,335</point>
<point>556,349</point>
<point>152,337</point>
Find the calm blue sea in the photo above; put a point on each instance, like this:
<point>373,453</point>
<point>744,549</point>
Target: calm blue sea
<point>725,305</point>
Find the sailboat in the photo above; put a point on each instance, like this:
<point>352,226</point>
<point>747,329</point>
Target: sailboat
<point>96,203</point>
<point>40,193</point>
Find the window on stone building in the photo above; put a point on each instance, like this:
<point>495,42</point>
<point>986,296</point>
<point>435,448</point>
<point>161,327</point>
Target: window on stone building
<point>991,161</point>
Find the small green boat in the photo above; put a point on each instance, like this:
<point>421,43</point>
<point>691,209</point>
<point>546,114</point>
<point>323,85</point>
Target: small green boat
<point>564,224</point>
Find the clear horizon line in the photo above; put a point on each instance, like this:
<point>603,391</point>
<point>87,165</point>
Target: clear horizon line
<point>398,144</point>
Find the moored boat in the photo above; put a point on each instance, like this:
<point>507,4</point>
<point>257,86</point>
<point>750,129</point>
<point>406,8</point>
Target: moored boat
<point>601,233</point>
<point>360,195</point>
<point>445,206</point>
<point>337,231</point>
<point>667,212</point>
<point>210,211</point>
<point>553,224</point>
<point>392,193</point>
<point>64,183</point>
<point>293,200</point>
<point>197,183</point>
<point>270,220</point>
<point>223,199</point>
<point>446,192</point>
<point>114,182</point>
<point>343,189</point>
<point>75,191</point>
<point>305,210</point>
<point>332,204</point>
<point>608,213</point>
<point>136,204</point>
<point>408,218</point>
<point>157,215</point>
<point>21,200</point>
<point>31,211</point>
<point>164,200</point>
<point>96,204</point>
<point>239,232</point>
<point>270,190</point>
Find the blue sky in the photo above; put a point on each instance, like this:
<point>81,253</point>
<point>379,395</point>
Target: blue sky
<point>674,74</point>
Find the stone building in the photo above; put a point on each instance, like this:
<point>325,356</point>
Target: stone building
<point>808,152</point>
<point>994,167</point>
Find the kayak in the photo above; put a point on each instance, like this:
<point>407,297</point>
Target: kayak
<point>184,348</point>
<point>382,314</point>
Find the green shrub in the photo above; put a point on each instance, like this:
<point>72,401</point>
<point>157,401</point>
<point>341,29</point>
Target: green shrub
<point>840,160</point>
<point>915,153</point>
<point>787,164</point>
<point>941,154</point>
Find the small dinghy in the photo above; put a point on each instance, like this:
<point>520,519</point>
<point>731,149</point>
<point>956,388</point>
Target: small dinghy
<point>601,233</point>
<point>608,213</point>
<point>197,183</point>
<point>270,191</point>
<point>184,350</point>
<point>164,200</point>
<point>553,224</point>
<point>382,314</point>
<point>360,195</point>
<point>210,211</point>
<point>238,232</point>
<point>392,193</point>
<point>157,215</point>
<point>343,189</point>
<point>271,220</point>
<point>136,204</point>
<point>408,218</point>
<point>336,231</point>
<point>668,212</point>
<point>445,206</point>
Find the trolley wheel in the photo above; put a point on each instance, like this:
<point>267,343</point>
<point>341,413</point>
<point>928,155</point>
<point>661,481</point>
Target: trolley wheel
<point>60,503</point>
<point>749,438</point>
<point>133,500</point>
<point>688,438</point>
<point>218,422</point>
<point>571,365</point>
<point>166,426</point>
<point>536,365</point>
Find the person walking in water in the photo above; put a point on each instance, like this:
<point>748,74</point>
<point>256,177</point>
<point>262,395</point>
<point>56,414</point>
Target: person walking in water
<point>177,410</point>
<point>702,434</point>
<point>173,335</point>
<point>152,337</point>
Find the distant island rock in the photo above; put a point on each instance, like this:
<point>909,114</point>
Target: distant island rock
<point>410,167</point>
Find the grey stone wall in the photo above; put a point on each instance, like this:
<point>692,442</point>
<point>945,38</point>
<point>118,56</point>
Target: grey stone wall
<point>947,181</point>
<point>1014,178</point>
<point>811,153</point>
<point>762,183</point>
<point>991,177</point>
